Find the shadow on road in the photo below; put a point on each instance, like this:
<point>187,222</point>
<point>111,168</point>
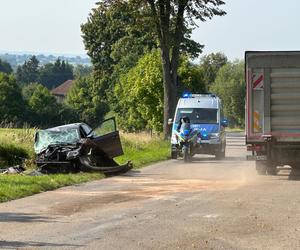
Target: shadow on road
<point>22,217</point>
<point>16,244</point>
<point>197,159</point>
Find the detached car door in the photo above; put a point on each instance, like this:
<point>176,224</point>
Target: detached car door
<point>107,138</point>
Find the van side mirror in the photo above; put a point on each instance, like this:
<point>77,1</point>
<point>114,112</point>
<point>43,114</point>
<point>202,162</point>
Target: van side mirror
<point>170,121</point>
<point>224,123</point>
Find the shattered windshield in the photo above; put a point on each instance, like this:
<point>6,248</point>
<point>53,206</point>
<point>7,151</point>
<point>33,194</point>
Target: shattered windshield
<point>48,137</point>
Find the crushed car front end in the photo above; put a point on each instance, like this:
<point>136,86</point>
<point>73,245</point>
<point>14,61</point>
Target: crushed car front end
<point>76,147</point>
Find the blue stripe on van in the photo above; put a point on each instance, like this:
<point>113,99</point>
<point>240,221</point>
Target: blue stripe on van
<point>208,128</point>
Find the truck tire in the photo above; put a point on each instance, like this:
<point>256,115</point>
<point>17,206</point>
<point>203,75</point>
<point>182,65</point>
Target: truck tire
<point>272,170</point>
<point>261,167</point>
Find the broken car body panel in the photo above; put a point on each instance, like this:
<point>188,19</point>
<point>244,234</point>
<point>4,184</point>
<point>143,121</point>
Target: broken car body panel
<point>77,146</point>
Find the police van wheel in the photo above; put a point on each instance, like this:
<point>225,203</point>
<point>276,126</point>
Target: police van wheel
<point>174,155</point>
<point>220,155</point>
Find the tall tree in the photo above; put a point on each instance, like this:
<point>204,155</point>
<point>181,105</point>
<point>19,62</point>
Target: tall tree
<point>5,67</point>
<point>115,30</point>
<point>140,92</point>
<point>116,35</point>
<point>230,87</point>
<point>82,70</point>
<point>43,110</point>
<point>42,104</point>
<point>28,72</point>
<point>53,74</point>
<point>191,77</point>
<point>211,64</point>
<point>118,25</point>
<point>171,19</point>
<point>12,106</point>
<point>84,98</point>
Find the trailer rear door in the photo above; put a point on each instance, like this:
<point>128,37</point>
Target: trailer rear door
<point>285,100</point>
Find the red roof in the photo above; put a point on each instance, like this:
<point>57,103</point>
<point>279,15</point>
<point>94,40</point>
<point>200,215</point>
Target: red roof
<point>63,89</point>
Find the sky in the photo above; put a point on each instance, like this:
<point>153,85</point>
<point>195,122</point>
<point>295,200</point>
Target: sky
<point>43,25</point>
<point>53,26</point>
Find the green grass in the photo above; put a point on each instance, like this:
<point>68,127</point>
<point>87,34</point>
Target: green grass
<point>15,143</point>
<point>18,186</point>
<point>141,149</point>
<point>235,129</point>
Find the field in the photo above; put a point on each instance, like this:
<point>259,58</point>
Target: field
<point>17,144</point>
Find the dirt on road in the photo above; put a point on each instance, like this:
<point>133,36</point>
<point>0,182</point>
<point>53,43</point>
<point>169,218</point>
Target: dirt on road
<point>206,204</point>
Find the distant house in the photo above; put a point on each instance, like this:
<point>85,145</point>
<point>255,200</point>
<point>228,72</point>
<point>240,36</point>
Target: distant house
<point>62,90</point>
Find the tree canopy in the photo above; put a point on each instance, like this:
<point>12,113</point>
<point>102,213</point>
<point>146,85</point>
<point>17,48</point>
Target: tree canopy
<point>12,106</point>
<point>118,30</point>
<point>231,88</point>
<point>140,92</point>
<point>42,108</point>
<point>210,65</point>
<point>52,75</point>
<point>28,72</point>
<point>114,31</point>
<point>84,100</point>
<point>5,67</point>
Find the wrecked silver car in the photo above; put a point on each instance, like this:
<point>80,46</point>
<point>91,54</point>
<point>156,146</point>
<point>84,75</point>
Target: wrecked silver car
<point>78,147</point>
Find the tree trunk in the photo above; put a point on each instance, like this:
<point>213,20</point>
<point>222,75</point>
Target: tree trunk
<point>162,22</point>
<point>170,92</point>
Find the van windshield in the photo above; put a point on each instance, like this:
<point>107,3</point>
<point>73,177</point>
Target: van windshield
<point>198,115</point>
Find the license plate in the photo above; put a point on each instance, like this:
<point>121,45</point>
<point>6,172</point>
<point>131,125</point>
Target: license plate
<point>261,157</point>
<point>256,157</point>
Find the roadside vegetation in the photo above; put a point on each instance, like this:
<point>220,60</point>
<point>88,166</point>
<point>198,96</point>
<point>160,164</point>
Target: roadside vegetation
<point>18,186</point>
<point>141,149</point>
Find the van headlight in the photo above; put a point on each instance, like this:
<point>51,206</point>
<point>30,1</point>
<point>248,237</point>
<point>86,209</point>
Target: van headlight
<point>214,135</point>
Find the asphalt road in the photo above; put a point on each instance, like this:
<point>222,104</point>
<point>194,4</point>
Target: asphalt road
<point>206,204</point>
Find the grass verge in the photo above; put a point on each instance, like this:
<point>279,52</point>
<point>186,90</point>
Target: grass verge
<point>237,130</point>
<point>141,149</point>
<point>18,186</point>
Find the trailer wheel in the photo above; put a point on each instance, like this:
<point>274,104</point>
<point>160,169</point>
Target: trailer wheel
<point>272,170</point>
<point>261,167</point>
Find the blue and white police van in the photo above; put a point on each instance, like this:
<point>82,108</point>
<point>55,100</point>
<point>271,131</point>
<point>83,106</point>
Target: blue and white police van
<point>206,115</point>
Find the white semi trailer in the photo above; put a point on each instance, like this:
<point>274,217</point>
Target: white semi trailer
<point>273,109</point>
